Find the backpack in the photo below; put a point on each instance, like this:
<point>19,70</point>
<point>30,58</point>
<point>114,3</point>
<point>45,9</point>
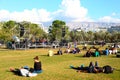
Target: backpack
<point>107,69</point>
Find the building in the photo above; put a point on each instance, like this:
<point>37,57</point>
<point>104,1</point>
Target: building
<point>114,28</point>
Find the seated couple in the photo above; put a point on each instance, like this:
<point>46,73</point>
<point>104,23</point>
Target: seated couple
<point>29,72</point>
<point>89,53</point>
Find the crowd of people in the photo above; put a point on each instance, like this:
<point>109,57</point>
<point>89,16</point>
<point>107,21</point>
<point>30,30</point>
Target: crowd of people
<point>96,52</point>
<point>91,51</point>
<point>37,68</point>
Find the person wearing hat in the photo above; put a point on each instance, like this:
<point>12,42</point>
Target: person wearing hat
<point>37,65</point>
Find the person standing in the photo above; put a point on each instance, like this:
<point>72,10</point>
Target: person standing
<point>75,44</point>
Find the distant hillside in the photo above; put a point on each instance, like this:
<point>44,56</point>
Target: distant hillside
<point>73,25</point>
<point>85,25</point>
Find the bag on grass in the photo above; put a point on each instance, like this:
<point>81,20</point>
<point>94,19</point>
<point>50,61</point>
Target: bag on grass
<point>107,69</point>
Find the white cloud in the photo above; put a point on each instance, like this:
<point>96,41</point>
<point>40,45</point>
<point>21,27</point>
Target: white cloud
<point>114,17</point>
<point>34,15</point>
<point>72,9</point>
<point>4,15</point>
<point>109,19</point>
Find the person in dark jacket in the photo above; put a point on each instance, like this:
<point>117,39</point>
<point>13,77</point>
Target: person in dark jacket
<point>90,69</point>
<point>37,65</point>
<point>59,52</point>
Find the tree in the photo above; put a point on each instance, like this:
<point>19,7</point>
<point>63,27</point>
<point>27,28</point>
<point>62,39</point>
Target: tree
<point>73,35</point>
<point>12,28</point>
<point>7,30</point>
<point>115,36</point>
<point>33,30</point>
<point>90,35</point>
<point>58,30</point>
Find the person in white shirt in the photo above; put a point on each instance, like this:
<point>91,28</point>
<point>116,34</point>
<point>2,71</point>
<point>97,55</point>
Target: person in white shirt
<point>23,72</point>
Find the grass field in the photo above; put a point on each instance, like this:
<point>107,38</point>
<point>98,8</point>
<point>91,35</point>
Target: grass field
<point>55,67</point>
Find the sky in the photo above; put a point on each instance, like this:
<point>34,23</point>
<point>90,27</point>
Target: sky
<point>38,11</point>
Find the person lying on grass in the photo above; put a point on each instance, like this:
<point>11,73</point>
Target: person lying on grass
<point>29,72</point>
<point>23,71</point>
<point>91,68</point>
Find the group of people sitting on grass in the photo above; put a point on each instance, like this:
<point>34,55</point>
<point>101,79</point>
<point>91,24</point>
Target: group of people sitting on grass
<point>98,52</point>
<point>93,68</point>
<point>110,50</point>
<point>73,51</point>
<point>29,72</point>
<point>60,52</point>
<point>90,53</point>
<point>51,52</point>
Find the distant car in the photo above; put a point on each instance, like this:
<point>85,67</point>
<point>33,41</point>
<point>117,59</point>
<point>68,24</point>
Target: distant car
<point>118,54</point>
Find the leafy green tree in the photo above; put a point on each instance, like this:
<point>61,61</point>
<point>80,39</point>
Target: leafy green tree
<point>11,28</point>
<point>33,30</point>
<point>7,30</point>
<point>73,35</point>
<point>58,30</point>
<point>90,35</point>
<point>115,36</point>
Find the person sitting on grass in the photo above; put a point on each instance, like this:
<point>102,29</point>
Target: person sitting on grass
<point>50,53</point>
<point>88,53</point>
<point>85,47</point>
<point>106,51</point>
<point>77,50</point>
<point>97,53</point>
<point>37,65</point>
<point>67,50</point>
<point>74,51</point>
<point>59,52</point>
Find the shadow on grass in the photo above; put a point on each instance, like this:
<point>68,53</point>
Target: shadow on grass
<point>81,56</point>
<point>44,55</point>
<point>84,70</point>
<point>117,69</point>
<point>50,56</point>
<point>4,49</point>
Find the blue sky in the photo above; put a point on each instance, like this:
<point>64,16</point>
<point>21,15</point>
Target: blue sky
<point>99,8</point>
<point>67,10</point>
<point>20,5</point>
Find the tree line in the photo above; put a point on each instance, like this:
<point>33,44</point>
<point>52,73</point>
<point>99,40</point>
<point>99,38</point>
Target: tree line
<point>58,31</point>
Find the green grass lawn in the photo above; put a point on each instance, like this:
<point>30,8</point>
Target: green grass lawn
<point>55,67</point>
